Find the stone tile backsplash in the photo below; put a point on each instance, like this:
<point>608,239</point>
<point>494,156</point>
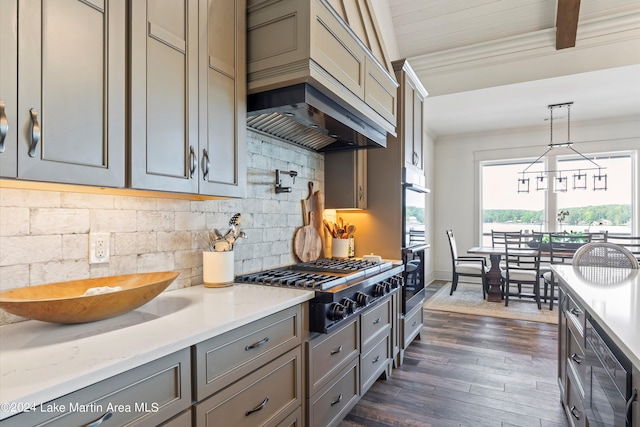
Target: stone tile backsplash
<point>44,234</point>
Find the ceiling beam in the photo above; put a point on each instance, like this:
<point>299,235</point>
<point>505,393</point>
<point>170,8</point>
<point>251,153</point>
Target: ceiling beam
<point>567,23</point>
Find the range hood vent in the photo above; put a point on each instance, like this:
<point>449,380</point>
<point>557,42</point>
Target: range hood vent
<point>304,116</point>
<point>314,81</point>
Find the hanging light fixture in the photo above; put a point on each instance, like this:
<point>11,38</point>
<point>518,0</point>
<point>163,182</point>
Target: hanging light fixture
<point>561,181</point>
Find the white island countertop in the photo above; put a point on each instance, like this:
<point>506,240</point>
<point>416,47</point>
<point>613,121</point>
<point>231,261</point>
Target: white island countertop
<point>612,297</point>
<point>42,361</point>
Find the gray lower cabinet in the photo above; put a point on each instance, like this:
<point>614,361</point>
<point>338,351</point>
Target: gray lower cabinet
<point>376,350</point>
<point>144,396</point>
<point>62,84</point>
<point>411,327</point>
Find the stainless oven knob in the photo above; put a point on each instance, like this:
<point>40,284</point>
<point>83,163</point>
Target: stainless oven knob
<point>349,304</point>
<point>336,311</point>
<point>362,299</point>
<point>379,290</point>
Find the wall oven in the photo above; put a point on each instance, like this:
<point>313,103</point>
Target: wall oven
<point>414,201</point>
<point>608,392</point>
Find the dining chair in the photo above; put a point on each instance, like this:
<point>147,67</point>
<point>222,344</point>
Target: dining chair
<point>514,239</point>
<point>605,254</point>
<point>632,243</point>
<point>523,269</point>
<point>560,252</point>
<point>469,266</point>
<point>597,236</point>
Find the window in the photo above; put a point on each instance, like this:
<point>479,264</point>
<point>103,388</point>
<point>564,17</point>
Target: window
<point>504,209</point>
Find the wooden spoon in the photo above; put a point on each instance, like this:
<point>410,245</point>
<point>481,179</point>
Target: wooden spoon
<point>350,230</point>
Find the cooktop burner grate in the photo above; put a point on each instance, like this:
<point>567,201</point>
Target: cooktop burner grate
<point>288,278</point>
<point>336,265</point>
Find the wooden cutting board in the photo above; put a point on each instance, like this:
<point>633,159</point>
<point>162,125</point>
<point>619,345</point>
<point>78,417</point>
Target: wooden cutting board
<point>306,243</point>
<point>314,203</point>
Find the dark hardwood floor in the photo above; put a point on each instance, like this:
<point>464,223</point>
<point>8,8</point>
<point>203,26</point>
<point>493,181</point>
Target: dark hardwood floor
<point>469,371</point>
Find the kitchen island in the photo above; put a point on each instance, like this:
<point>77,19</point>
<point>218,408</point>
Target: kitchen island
<point>40,362</point>
<point>599,344</point>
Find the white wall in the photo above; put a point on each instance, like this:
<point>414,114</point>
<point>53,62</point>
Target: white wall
<point>455,183</point>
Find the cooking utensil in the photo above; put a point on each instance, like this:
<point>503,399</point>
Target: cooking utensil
<point>307,244</point>
<point>350,230</point>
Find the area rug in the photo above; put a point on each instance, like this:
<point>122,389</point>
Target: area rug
<point>467,299</point>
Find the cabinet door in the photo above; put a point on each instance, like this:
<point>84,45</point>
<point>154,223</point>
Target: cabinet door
<point>346,179</point>
<point>223,107</point>
<point>418,114</point>
<point>164,95</point>
<point>8,88</point>
<point>71,91</point>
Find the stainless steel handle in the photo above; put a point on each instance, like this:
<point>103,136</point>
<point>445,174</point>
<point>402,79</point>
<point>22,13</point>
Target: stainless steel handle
<point>206,164</point>
<point>260,407</point>
<point>337,400</point>
<point>257,344</point>
<point>575,413</point>
<point>336,351</point>
<point>415,322</point>
<point>633,397</point>
<point>415,159</point>
<point>575,312</point>
<point>375,322</point>
<point>4,126</point>
<point>576,358</point>
<point>100,420</point>
<point>375,360</point>
<point>194,161</point>
<point>34,130</point>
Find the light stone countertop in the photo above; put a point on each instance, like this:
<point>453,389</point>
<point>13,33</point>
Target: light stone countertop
<point>615,306</point>
<point>42,361</point>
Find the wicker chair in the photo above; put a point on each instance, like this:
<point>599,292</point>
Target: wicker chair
<point>604,254</point>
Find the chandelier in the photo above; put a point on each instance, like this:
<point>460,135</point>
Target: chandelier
<point>561,178</point>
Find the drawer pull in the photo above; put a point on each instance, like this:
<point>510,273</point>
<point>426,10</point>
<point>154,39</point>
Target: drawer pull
<point>575,412</point>
<point>375,360</point>
<point>336,351</point>
<point>375,322</point>
<point>99,421</point>
<point>260,407</point>
<point>337,400</point>
<point>576,358</point>
<point>634,397</point>
<point>415,322</point>
<point>256,344</point>
<point>575,312</point>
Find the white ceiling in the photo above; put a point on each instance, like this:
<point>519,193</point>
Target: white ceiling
<point>466,39</point>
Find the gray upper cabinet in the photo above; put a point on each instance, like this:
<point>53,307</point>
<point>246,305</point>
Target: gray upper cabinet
<point>69,123</point>
<point>410,115</point>
<point>222,93</point>
<point>8,88</point>
<point>164,95</point>
<point>345,179</point>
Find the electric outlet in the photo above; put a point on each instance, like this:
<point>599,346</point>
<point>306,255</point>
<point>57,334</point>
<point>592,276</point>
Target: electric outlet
<point>98,248</point>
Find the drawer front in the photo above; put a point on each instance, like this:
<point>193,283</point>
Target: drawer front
<point>576,314</point>
<point>293,420</point>
<point>574,408</point>
<point>145,396</point>
<point>182,420</point>
<point>330,405</point>
<point>374,322</point>
<point>263,398</point>
<point>230,356</point>
<point>374,363</point>
<point>576,357</point>
<point>412,325</point>
<point>326,354</point>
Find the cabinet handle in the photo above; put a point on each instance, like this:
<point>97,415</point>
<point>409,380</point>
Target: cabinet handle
<point>415,322</point>
<point>575,312</point>
<point>260,407</point>
<point>415,159</point>
<point>34,130</point>
<point>575,412</point>
<point>576,358</point>
<point>375,322</point>
<point>361,193</point>
<point>337,400</point>
<point>205,164</point>
<point>633,398</point>
<point>336,351</point>
<point>257,344</point>
<point>194,162</point>
<point>375,360</point>
<point>4,126</point>
<point>99,421</point>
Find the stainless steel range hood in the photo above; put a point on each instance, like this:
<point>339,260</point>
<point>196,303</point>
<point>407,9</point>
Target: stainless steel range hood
<point>312,81</point>
<point>303,115</point>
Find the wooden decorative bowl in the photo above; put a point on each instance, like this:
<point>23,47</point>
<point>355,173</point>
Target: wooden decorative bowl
<point>65,302</point>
